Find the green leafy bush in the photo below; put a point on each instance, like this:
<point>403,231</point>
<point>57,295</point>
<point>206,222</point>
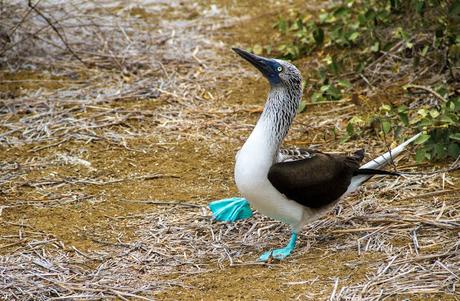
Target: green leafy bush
<point>353,34</point>
<point>440,126</point>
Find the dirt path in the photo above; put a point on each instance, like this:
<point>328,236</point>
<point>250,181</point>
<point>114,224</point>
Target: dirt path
<point>106,173</point>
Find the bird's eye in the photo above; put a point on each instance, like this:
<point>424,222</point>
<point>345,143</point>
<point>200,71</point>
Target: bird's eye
<point>279,69</point>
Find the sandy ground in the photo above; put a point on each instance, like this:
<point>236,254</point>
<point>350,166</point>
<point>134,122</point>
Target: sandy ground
<point>114,205</point>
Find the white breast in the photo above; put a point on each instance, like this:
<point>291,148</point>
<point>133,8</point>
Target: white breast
<point>253,162</point>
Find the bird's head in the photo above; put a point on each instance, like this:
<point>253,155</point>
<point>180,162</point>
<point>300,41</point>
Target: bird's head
<point>277,72</point>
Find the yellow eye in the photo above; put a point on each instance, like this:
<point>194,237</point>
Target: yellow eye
<point>279,69</point>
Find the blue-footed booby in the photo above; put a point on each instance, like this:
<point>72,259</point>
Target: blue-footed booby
<point>292,186</point>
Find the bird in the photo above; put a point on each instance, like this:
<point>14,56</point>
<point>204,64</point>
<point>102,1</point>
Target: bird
<point>294,186</point>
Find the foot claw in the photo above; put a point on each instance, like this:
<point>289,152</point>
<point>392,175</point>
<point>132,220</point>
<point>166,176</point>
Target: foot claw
<point>282,253</point>
<point>278,254</point>
<point>265,256</point>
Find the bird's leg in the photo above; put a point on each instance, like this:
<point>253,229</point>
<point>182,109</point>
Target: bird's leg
<point>283,252</point>
<point>230,210</point>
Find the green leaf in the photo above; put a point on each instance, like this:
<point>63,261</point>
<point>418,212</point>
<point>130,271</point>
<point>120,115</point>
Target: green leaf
<point>428,155</point>
<point>454,9</point>
<point>420,7</point>
<point>324,88</point>
<point>453,150</point>
<point>455,136</point>
<point>424,50</point>
<point>402,109</point>
<point>420,155</point>
<point>434,113</point>
<point>354,36</point>
<point>375,47</point>
<point>404,118</point>
<point>425,122</point>
<point>422,112</point>
<point>317,96</point>
<point>333,92</point>
<point>439,151</point>
<point>350,129</point>
<point>344,139</point>
<point>295,26</point>
<point>385,108</point>
<point>356,120</point>
<point>386,126</point>
<point>282,25</point>
<point>422,139</point>
<point>344,83</point>
<point>323,17</point>
<point>456,102</point>
<point>341,11</point>
<point>318,35</point>
<point>334,66</point>
<point>328,59</point>
<point>447,119</point>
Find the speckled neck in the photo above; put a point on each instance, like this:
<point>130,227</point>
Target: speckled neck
<point>279,112</point>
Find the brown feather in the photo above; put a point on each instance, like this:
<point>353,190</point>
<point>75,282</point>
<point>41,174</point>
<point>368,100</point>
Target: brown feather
<point>317,181</point>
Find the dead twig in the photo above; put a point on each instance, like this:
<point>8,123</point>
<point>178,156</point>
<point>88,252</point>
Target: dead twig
<point>50,23</point>
<point>428,89</point>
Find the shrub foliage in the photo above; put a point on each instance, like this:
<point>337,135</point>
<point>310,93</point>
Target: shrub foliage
<point>353,34</point>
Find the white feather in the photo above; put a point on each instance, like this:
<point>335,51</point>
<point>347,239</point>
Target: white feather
<point>378,163</point>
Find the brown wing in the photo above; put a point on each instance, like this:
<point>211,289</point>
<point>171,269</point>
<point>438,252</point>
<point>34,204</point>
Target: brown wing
<point>317,181</point>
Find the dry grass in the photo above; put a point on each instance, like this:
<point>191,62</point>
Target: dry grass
<point>153,87</point>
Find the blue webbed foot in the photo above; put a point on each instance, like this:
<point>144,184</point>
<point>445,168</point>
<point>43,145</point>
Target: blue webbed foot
<point>230,210</point>
<point>282,253</point>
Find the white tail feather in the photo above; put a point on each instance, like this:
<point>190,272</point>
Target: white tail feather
<point>378,163</point>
